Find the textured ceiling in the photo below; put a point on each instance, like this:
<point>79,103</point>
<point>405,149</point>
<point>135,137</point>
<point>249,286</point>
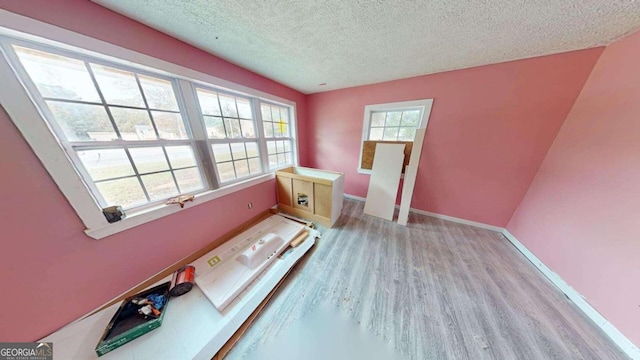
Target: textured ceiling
<point>343,43</point>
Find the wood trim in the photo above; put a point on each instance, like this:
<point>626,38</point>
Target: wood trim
<point>186,260</point>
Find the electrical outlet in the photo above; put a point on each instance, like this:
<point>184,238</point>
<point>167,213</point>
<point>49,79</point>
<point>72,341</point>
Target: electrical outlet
<point>250,205</point>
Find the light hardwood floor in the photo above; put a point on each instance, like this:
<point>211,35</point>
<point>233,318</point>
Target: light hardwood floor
<point>432,290</point>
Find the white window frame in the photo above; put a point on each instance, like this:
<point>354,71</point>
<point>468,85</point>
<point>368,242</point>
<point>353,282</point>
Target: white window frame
<point>424,105</point>
<point>209,141</point>
<point>291,137</point>
<point>30,121</point>
<point>70,146</point>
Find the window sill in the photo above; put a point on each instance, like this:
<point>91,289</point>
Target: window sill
<point>159,211</point>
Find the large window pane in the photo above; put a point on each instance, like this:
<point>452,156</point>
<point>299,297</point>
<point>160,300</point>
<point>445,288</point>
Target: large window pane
<point>406,134</point>
<point>106,163</point>
<point>252,149</point>
<point>266,112</point>
<point>233,128</point>
<point>215,127</point>
<point>180,156</point>
<point>159,93</point>
<point>238,151</point>
<point>226,172</point>
<point>221,152</point>
<point>133,124</point>
<point>281,129</point>
<point>149,159</point>
<point>119,87</point>
<point>170,125</point>
<point>242,168</point>
<point>228,106</point>
<point>209,102</point>
<point>275,114</point>
<point>244,108</point>
<point>254,166</point>
<point>58,76</point>
<point>393,118</point>
<point>124,192</point>
<point>248,130</point>
<point>271,147</point>
<point>268,129</point>
<point>188,180</point>
<point>81,122</point>
<point>273,161</point>
<point>410,118</point>
<point>279,153</point>
<point>377,119</point>
<point>160,186</point>
<point>376,133</point>
<point>390,134</point>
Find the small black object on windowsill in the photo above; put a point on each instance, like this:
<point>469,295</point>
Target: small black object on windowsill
<point>114,213</point>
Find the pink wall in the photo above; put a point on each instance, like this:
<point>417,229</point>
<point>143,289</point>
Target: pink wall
<point>581,215</point>
<point>489,130</point>
<point>51,272</point>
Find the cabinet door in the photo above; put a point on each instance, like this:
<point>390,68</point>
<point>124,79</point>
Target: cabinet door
<point>284,190</point>
<point>303,195</point>
<point>322,199</point>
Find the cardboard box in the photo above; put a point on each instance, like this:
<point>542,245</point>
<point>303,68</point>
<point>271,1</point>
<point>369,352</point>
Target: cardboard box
<point>127,324</point>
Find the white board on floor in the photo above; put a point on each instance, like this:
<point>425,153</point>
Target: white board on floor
<point>410,175</point>
<point>385,178</point>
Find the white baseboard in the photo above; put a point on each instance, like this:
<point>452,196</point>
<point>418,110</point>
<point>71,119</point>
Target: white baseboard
<point>440,216</point>
<point>614,334</point>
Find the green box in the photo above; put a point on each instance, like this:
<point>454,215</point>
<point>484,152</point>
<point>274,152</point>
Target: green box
<point>126,325</point>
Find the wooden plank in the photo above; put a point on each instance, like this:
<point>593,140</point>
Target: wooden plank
<point>284,190</point>
<point>385,178</point>
<point>369,151</point>
<point>322,200</point>
<point>298,240</point>
<point>410,176</point>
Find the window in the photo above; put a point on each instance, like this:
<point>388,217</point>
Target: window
<point>231,133</point>
<point>397,125</point>
<point>135,135</point>
<point>123,130</point>
<point>277,132</point>
<point>394,122</point>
